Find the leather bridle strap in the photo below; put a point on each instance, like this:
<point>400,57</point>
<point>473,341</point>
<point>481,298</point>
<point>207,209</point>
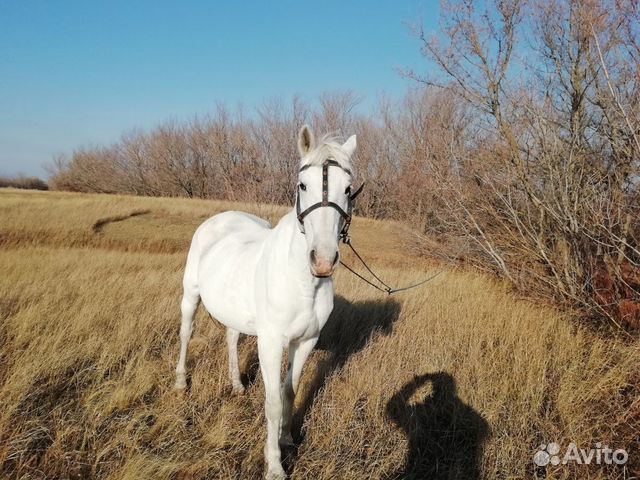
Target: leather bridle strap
<point>325,197</point>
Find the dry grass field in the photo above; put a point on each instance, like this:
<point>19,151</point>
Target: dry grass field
<point>455,380</point>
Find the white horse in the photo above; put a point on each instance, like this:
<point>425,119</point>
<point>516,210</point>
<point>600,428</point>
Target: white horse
<point>275,283</point>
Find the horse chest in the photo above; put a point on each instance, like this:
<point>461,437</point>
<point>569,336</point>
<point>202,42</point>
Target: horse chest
<point>304,325</point>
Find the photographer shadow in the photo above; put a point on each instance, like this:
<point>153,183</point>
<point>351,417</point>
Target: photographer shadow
<point>445,435</point>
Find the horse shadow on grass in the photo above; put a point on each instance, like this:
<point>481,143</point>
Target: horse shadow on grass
<point>445,435</point>
<point>347,331</point>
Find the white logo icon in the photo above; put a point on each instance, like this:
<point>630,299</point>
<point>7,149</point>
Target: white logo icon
<point>547,454</point>
<point>602,454</point>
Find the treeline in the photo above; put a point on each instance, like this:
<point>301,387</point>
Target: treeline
<point>26,183</point>
<point>521,152</point>
<point>232,155</point>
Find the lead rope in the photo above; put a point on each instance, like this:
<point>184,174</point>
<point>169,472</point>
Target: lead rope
<point>388,290</point>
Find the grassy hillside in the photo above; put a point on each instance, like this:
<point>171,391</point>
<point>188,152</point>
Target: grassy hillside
<point>446,381</point>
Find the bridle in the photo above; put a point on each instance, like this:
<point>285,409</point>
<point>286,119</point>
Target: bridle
<point>329,162</point>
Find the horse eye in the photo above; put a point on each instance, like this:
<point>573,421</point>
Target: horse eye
<point>303,187</point>
<point>348,190</point>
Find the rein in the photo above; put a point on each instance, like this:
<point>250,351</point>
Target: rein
<point>387,289</point>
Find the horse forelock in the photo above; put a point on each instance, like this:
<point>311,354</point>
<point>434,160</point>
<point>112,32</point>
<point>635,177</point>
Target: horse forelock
<point>328,147</point>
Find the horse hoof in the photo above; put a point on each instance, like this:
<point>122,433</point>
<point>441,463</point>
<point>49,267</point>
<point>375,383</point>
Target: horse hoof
<point>275,475</point>
<point>237,389</point>
<point>181,382</point>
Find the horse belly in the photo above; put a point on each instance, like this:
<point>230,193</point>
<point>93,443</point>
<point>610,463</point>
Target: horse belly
<point>226,282</point>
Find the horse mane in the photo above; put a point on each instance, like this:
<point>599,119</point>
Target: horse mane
<point>329,146</point>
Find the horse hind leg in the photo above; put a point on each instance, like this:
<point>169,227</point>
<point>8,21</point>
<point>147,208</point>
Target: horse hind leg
<point>234,369</point>
<point>188,308</point>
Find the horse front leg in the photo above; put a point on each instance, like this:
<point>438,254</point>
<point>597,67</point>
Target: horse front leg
<point>270,355</point>
<point>298,354</point>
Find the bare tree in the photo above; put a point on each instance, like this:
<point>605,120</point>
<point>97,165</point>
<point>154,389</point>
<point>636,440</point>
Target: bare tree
<point>550,198</point>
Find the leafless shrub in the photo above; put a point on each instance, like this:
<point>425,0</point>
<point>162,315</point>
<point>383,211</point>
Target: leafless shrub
<point>548,191</point>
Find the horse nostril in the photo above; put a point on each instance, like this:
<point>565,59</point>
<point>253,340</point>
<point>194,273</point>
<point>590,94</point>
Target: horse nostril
<point>335,259</point>
<point>312,255</point>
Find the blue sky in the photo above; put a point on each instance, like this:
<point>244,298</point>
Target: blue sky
<point>76,73</point>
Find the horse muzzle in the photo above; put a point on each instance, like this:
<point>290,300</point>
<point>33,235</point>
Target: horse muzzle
<point>322,266</point>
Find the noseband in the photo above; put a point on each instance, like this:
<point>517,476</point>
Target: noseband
<point>325,198</point>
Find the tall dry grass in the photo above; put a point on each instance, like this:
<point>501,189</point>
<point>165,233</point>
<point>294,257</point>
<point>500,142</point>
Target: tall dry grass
<point>454,380</point>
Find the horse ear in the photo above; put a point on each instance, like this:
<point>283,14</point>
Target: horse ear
<point>306,141</point>
<point>350,145</point>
